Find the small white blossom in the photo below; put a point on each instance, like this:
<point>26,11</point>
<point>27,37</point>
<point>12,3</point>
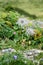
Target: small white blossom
<point>30,31</point>
<point>22,22</point>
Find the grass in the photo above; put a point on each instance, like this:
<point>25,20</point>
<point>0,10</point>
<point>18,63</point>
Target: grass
<point>19,40</point>
<point>10,11</point>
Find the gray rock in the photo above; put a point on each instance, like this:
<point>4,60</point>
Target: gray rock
<point>8,50</point>
<point>29,54</point>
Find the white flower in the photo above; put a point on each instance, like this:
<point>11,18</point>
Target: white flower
<point>30,31</point>
<point>22,22</point>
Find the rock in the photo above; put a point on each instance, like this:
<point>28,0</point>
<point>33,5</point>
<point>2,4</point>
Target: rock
<point>29,54</point>
<point>8,50</point>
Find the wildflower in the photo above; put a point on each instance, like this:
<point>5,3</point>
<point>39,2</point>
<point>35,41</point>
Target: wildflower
<point>15,57</point>
<point>30,31</point>
<point>14,33</point>
<point>22,22</point>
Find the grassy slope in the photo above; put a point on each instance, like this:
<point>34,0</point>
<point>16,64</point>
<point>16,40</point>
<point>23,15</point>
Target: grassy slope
<point>34,7</point>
